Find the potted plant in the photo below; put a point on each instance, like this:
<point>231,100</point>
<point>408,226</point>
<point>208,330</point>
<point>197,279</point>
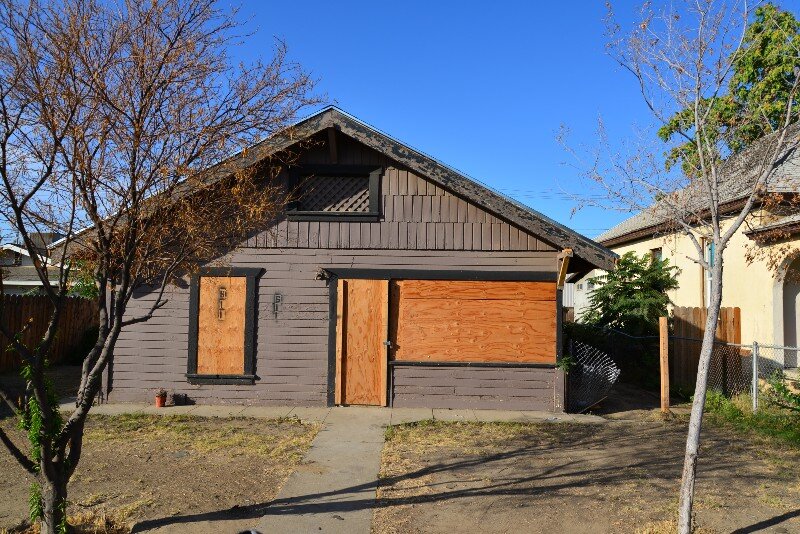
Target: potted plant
<point>161,398</point>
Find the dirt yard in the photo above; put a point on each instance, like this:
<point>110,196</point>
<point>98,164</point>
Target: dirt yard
<point>171,470</point>
<point>614,477</point>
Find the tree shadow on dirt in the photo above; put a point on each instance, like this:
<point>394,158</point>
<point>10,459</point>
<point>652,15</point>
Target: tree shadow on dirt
<point>578,456</point>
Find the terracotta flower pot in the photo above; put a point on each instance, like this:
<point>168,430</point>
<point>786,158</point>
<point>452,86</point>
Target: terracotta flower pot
<point>161,400</point>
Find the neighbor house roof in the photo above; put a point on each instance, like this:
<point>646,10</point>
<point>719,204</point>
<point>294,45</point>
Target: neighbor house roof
<point>738,175</point>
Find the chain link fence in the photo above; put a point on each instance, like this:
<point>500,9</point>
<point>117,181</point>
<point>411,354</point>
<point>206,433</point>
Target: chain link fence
<point>734,370</point>
<point>590,378</point>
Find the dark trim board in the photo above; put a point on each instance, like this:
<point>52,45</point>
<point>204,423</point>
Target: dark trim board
<point>496,365</point>
<point>419,274</point>
<point>250,307</point>
<point>220,379</point>
<point>333,291</point>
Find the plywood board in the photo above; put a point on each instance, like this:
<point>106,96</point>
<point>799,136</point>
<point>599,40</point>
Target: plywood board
<point>473,321</point>
<point>221,323</point>
<point>363,366</point>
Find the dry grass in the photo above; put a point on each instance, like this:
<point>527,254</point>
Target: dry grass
<point>669,527</point>
<point>87,522</point>
<point>236,437</point>
<point>139,467</point>
<point>617,477</point>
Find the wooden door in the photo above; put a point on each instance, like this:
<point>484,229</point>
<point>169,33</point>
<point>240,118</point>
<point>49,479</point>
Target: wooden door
<point>221,325</point>
<point>361,333</point>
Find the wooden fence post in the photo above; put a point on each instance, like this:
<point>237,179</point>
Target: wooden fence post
<point>663,333</point>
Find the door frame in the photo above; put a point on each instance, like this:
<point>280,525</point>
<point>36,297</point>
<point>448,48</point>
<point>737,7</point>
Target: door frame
<point>333,275</point>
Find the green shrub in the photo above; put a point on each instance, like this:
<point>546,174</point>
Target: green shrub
<point>768,421</point>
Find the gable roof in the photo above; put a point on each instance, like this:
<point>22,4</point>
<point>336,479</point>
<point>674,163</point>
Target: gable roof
<point>446,177</point>
<point>587,253</point>
<point>737,178</point>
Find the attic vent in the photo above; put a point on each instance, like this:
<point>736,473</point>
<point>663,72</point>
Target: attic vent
<point>335,192</point>
<point>342,194</point>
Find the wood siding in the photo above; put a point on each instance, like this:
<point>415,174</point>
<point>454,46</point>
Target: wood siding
<point>474,387</point>
<point>292,345</point>
<point>423,228</point>
<point>416,215</point>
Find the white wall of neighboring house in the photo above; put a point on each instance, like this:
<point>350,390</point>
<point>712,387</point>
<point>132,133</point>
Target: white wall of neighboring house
<point>583,289</point>
<point>753,286</point>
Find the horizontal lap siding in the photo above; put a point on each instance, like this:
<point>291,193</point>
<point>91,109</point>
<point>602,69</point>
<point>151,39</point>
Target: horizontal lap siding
<point>473,387</point>
<point>423,227</point>
<point>416,215</point>
<point>292,348</point>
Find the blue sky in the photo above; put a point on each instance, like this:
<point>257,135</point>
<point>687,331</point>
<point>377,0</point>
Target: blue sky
<point>483,87</point>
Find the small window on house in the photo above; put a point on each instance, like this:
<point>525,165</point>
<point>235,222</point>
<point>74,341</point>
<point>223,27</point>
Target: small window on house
<point>335,192</point>
<point>656,254</point>
<point>580,287</point>
<point>589,285</point>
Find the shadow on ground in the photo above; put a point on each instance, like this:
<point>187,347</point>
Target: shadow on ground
<point>585,478</point>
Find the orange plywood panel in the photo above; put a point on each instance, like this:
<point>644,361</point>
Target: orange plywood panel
<point>221,322</point>
<point>474,321</point>
<point>363,360</point>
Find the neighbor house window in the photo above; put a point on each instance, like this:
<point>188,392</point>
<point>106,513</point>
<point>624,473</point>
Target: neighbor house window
<point>221,326</point>
<point>656,254</point>
<point>335,192</point>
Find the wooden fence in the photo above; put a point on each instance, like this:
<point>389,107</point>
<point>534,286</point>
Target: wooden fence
<point>688,328</point>
<point>78,317</point>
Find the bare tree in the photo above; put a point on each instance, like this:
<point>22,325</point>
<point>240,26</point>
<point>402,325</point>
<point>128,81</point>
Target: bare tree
<point>119,122</point>
<point>683,58</point>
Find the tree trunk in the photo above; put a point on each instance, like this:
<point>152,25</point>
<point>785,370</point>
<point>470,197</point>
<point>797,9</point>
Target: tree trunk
<point>696,419</point>
<point>54,503</point>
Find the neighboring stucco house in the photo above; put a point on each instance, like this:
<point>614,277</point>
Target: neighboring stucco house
<point>394,280</point>
<point>767,297</point>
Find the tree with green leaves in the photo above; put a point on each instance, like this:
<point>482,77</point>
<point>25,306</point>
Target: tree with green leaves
<point>762,81</point>
<point>633,296</point>
<point>721,81</point>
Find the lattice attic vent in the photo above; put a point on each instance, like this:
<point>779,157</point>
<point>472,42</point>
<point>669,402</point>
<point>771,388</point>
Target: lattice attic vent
<point>335,194</point>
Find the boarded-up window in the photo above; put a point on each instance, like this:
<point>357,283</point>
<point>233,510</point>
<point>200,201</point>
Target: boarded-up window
<point>465,321</point>
<point>221,337</point>
<point>220,334</point>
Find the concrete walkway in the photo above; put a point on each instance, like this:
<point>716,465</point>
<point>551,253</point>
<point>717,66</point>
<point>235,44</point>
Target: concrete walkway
<point>334,489</point>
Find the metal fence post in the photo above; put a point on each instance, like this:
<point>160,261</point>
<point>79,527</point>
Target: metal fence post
<point>754,387</point>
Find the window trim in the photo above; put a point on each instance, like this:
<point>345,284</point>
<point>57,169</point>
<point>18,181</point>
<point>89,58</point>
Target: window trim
<point>657,251</point>
<point>249,354</point>
<point>372,172</point>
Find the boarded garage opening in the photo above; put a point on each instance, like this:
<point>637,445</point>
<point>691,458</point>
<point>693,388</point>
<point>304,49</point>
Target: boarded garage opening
<point>437,322</point>
<point>469,321</point>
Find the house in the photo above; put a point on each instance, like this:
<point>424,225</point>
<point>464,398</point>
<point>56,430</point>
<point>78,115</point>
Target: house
<point>16,265</point>
<point>394,280</point>
<point>766,294</point>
